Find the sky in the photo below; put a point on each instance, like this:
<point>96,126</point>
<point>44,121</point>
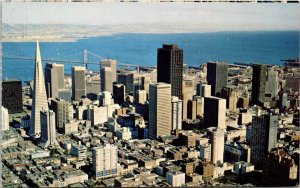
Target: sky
<point>212,16</point>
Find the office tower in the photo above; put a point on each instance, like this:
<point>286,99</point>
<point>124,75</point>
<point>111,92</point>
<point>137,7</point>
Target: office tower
<point>176,113</point>
<point>105,98</point>
<point>106,79</point>
<point>93,87</point>
<point>65,94</point>
<point>263,137</point>
<point>258,84</point>
<point>216,139</point>
<point>63,112</point>
<point>175,178</point>
<point>217,73</point>
<point>141,96</point>
<point>187,94</point>
<point>272,83</point>
<point>283,100</point>
<point>54,79</point>
<point>4,119</point>
<point>39,97</point>
<point>231,95</point>
<point>12,96</point>
<point>105,161</point>
<point>160,123</point>
<point>203,90</point>
<point>48,131</point>
<point>145,84</point>
<point>127,80</point>
<point>215,112</point>
<point>78,82</point>
<point>170,67</point>
<point>112,64</point>
<point>195,107</point>
<point>119,93</point>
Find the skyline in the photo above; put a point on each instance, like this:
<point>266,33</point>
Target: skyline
<point>156,18</point>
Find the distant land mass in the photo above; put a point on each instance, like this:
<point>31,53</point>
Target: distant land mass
<point>71,33</point>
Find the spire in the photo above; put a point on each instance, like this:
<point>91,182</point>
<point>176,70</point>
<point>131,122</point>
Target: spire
<point>39,98</point>
<point>38,53</point>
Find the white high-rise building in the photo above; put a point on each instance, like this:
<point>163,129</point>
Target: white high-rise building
<point>141,96</point>
<point>105,160</point>
<point>48,135</point>
<point>160,110</point>
<point>176,113</point>
<point>106,79</point>
<point>112,64</point>
<point>105,98</point>
<point>78,82</point>
<point>216,140</point>
<point>204,90</point>
<point>175,178</point>
<point>39,97</point>
<point>5,119</point>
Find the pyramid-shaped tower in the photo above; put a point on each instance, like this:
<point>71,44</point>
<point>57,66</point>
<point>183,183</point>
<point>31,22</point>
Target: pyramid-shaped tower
<point>39,97</point>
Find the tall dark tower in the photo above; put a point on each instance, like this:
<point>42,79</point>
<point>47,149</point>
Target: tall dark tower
<point>12,96</point>
<point>259,77</point>
<point>217,73</point>
<point>263,137</point>
<point>170,67</point>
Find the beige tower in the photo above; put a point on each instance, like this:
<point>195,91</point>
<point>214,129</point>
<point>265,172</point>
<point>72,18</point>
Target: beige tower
<point>105,161</point>
<point>39,97</point>
<point>160,108</point>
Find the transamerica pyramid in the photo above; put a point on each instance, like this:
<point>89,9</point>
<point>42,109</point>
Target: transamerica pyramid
<point>39,97</point>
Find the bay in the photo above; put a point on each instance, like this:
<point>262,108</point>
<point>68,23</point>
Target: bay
<point>267,47</point>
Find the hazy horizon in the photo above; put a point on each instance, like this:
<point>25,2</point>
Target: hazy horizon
<point>144,16</point>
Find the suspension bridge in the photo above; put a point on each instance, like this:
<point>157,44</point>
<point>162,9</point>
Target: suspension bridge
<point>84,63</point>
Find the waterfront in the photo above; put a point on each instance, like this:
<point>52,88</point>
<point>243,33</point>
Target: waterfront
<point>246,47</point>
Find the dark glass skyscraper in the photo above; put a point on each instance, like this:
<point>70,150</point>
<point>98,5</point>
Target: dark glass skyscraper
<point>259,76</point>
<point>217,73</point>
<point>170,67</point>
<point>263,137</point>
<point>12,96</point>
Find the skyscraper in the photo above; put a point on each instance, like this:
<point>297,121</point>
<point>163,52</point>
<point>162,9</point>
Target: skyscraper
<point>263,137</point>
<point>216,139</point>
<point>105,161</point>
<point>258,84</point>
<point>48,131</point>
<point>170,67</point>
<point>106,79</point>
<point>54,79</point>
<point>63,112</point>
<point>215,112</point>
<point>127,80</point>
<point>272,83</point>
<point>12,96</point>
<point>176,113</point>
<point>217,73</point>
<point>111,64</point>
<point>160,123</point>
<point>187,94</point>
<point>39,97</point>
<point>203,90</point>
<point>119,93</point>
<point>78,82</point>
<point>4,119</point>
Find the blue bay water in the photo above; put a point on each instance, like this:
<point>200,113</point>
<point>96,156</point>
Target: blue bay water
<point>245,47</point>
